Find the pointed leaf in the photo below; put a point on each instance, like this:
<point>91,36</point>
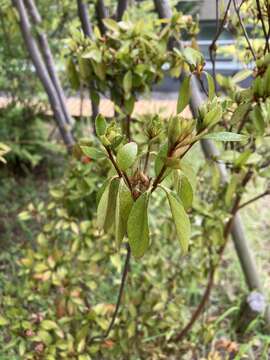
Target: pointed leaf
<point>124,204</point>
<point>106,206</point>
<point>100,125</point>
<point>184,190</point>
<point>138,230</point>
<point>180,218</point>
<point>184,95</point>
<point>92,152</point>
<point>225,136</point>
<point>211,86</point>
<point>126,155</point>
<point>241,75</point>
<point>127,82</point>
<point>213,116</point>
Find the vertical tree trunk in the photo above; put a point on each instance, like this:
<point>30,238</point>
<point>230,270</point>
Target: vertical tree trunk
<point>244,253</point>
<point>121,8</point>
<point>101,12</point>
<point>47,56</point>
<point>88,32</point>
<point>42,73</point>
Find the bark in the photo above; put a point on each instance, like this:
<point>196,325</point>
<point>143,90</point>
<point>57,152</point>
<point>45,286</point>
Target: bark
<point>102,13</point>
<point>48,57</point>
<point>242,247</point>
<point>42,73</point>
<point>83,15</point>
<point>121,8</point>
<point>87,30</point>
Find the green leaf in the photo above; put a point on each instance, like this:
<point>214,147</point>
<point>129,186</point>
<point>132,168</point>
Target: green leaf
<point>184,95</point>
<point>137,228</point>
<point>213,116</point>
<point>180,218</point>
<point>225,136</point>
<point>107,204</point>
<point>211,86</point>
<point>241,111</point>
<point>49,325</point>
<point>192,56</point>
<point>126,155</point>
<point>93,54</point>
<point>100,125</point>
<point>3,321</point>
<point>92,152</point>
<point>127,82</point>
<point>241,75</point>
<point>184,190</point>
<point>124,203</point>
<point>111,24</point>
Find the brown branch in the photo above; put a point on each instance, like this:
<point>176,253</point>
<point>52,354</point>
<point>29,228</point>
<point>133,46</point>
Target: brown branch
<point>241,206</point>
<point>210,283</point>
<point>244,30</point>
<point>213,46</point>
<point>119,297</point>
<point>263,24</point>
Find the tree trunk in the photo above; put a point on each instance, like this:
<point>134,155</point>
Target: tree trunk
<point>101,12</point>
<point>121,8</point>
<point>47,56</point>
<point>244,253</point>
<point>42,73</point>
<point>87,30</point>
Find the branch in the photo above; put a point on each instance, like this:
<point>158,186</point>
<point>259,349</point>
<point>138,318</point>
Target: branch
<point>83,15</point>
<point>244,30</point>
<point>88,32</point>
<point>263,24</point>
<point>101,14</point>
<point>121,8</point>
<point>43,73</point>
<point>119,172</point>
<point>210,283</point>
<point>119,297</point>
<point>267,192</point>
<point>48,57</point>
<point>213,46</point>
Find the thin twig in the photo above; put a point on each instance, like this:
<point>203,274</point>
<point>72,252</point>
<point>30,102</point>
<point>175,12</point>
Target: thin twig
<point>147,158</point>
<point>267,192</point>
<point>244,30</point>
<point>119,297</point>
<point>263,24</point>
<point>213,46</point>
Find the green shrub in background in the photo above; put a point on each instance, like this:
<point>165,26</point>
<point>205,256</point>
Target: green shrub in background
<point>66,286</point>
<point>26,134</point>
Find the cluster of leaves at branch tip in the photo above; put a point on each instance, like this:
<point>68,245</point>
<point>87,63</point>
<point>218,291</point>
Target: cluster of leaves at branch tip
<point>128,60</point>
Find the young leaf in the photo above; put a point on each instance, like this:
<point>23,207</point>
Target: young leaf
<point>225,136</point>
<point>211,86</point>
<point>184,95</point>
<point>184,190</point>
<point>100,125</point>
<point>126,155</point>
<point>181,220</point>
<point>213,116</point>
<point>137,227</point>
<point>192,56</point>
<point>107,204</point>
<point>241,75</point>
<point>127,82</point>
<point>111,24</point>
<point>124,203</point>
<point>92,152</point>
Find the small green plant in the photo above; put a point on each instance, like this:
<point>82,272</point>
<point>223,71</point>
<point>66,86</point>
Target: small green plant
<point>25,134</point>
